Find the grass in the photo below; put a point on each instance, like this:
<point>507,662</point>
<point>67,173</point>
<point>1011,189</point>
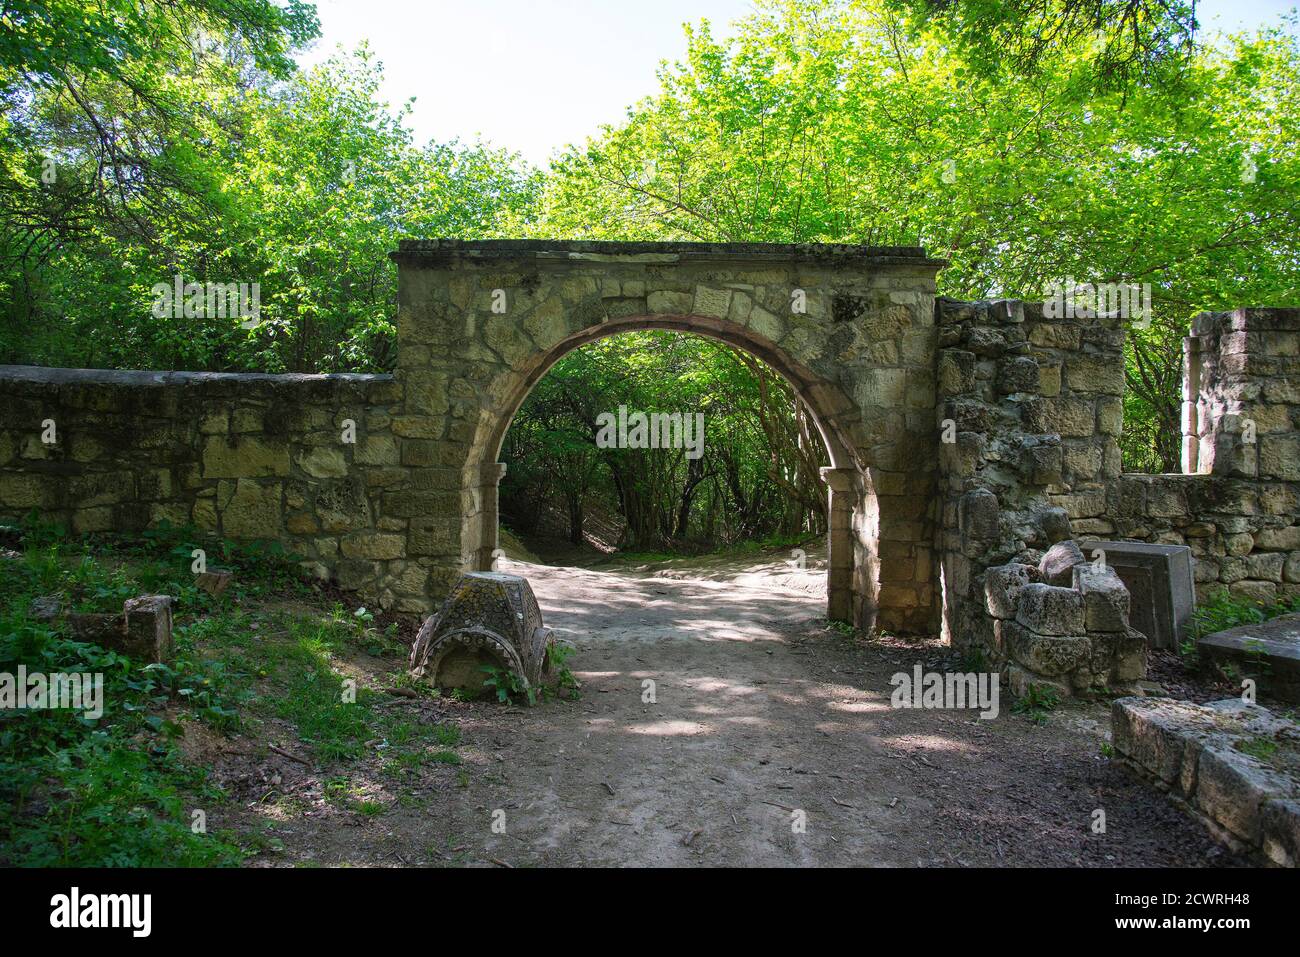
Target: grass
<point>119,791</point>
<point>1262,749</point>
<point>1036,703</point>
<point>1222,611</point>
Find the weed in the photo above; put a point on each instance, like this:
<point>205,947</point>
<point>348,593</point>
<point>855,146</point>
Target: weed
<point>506,684</point>
<point>1036,702</point>
<point>557,656</point>
<point>1262,749</point>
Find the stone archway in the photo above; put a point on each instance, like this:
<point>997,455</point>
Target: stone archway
<point>852,329</point>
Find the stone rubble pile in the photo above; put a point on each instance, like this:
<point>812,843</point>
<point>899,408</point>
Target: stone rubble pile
<point>1063,625</point>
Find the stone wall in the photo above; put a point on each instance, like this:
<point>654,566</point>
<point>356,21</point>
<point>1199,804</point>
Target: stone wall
<point>1063,624</point>
<point>1029,415</point>
<point>961,436</point>
<point>1240,510</point>
<point>1207,757</point>
<point>240,456</point>
<point>400,514</point>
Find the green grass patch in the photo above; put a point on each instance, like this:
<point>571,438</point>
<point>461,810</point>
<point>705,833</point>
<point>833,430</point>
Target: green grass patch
<point>117,790</point>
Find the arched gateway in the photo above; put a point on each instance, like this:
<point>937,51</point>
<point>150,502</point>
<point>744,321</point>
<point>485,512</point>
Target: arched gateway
<point>969,441</point>
<point>852,328</point>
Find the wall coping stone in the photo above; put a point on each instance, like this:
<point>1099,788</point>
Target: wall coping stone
<point>437,252</point>
<point>141,377</point>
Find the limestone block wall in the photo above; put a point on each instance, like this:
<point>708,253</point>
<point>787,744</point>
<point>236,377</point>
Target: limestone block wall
<point>1063,624</point>
<point>1029,413</point>
<point>240,456</point>
<point>400,514</point>
<point>1239,508</point>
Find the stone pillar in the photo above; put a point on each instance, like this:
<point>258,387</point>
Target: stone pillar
<point>843,494</point>
<point>1191,396</point>
<point>489,503</point>
<point>1249,363</point>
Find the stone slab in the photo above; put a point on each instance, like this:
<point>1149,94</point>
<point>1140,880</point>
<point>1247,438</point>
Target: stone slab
<point>1159,580</point>
<point>1235,766</point>
<point>1267,651</point>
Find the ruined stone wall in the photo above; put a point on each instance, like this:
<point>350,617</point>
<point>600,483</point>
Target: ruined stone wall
<point>240,456</point>
<point>1029,415</point>
<point>1239,510</point>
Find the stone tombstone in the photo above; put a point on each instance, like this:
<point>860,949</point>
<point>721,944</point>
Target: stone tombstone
<point>490,619</point>
<point>1159,580</point>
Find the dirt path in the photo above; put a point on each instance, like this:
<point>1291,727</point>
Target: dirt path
<point>760,713</point>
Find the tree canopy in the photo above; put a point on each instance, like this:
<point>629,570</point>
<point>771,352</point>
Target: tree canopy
<point>1028,142</point>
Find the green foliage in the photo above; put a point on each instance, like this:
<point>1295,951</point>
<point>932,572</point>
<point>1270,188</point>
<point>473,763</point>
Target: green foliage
<point>76,791</point>
<point>1036,702</point>
<point>557,656</point>
<point>506,685</point>
<point>844,629</point>
<point>1001,136</point>
<point>757,476</point>
<point>1221,610</point>
<point>115,168</point>
<point>1263,749</point>
<point>117,790</point>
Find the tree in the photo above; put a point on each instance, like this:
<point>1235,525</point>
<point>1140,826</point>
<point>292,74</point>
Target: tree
<point>866,122</point>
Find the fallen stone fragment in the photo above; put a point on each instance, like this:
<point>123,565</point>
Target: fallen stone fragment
<point>1235,766</point>
<point>214,582</point>
<point>1267,651</point>
<point>143,630</point>
<point>490,620</point>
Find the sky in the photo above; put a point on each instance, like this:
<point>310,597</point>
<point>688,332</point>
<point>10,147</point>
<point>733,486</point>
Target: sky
<point>536,75</point>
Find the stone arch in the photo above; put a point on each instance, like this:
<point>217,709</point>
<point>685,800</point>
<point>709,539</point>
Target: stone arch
<point>832,410</point>
<point>851,328</point>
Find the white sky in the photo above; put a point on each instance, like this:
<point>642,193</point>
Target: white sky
<point>535,75</point>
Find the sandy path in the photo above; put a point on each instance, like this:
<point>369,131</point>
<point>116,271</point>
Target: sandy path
<point>762,716</point>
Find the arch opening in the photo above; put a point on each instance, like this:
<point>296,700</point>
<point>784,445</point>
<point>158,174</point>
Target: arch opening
<point>824,403</point>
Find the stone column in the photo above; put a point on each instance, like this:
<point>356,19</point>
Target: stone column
<point>1191,396</point>
<point>489,514</point>
<point>839,521</point>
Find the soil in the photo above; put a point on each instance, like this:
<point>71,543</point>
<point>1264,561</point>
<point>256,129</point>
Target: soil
<point>762,717</point>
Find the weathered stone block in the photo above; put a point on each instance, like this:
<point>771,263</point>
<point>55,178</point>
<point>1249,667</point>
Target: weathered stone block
<point>1105,599</point>
<point>245,458</point>
<point>1051,656</point>
<point>1159,580</point>
<point>1057,564</point>
<point>323,462</point>
<point>489,619</point>
<point>1002,584</point>
<point>253,511</point>
<point>1050,610</point>
<point>1018,374</point>
<point>373,545</point>
<point>980,514</point>
<point>1268,652</point>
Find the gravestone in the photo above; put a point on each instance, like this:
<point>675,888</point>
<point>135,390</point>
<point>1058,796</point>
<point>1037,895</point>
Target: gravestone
<point>1159,580</point>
